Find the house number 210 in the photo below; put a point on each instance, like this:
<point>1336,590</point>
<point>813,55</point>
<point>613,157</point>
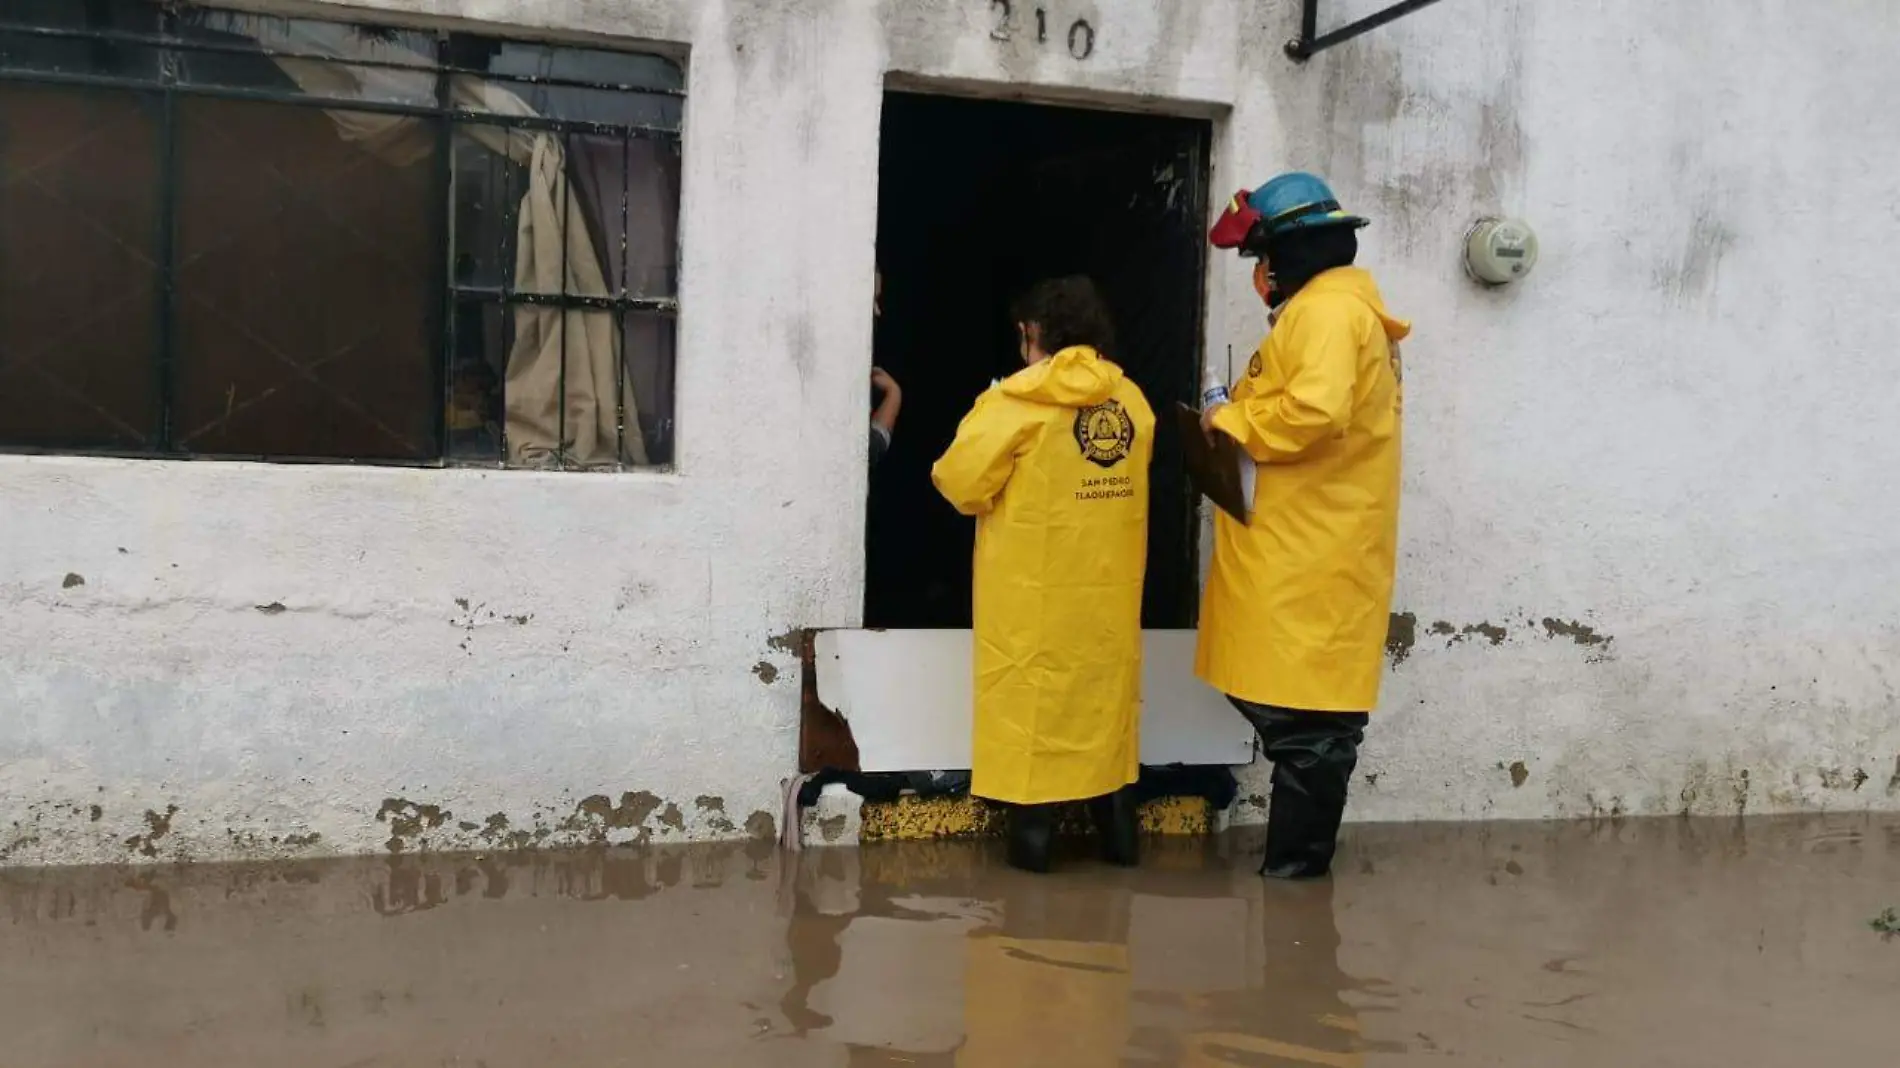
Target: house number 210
<point>1081,37</point>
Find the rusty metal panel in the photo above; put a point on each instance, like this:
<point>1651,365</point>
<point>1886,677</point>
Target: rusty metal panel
<point>824,738</point>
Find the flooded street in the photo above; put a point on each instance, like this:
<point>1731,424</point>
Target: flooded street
<point>1631,943</point>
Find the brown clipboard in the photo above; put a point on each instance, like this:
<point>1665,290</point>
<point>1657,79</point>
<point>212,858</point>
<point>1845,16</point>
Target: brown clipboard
<point>1213,467</point>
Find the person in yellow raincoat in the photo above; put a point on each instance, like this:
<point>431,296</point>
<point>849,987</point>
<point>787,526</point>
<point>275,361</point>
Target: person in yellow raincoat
<point>1297,602</point>
<point>1053,463</point>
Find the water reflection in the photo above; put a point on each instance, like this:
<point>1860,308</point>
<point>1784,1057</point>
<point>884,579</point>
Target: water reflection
<point>1654,942</point>
<point>940,954</point>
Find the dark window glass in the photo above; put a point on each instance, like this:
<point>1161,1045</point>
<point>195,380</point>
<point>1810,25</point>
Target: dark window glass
<point>78,268</point>
<point>305,288</point>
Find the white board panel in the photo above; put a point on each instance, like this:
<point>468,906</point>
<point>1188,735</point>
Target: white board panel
<point>907,696</point>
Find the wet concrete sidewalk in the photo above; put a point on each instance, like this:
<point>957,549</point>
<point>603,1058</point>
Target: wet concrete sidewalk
<point>1629,943</point>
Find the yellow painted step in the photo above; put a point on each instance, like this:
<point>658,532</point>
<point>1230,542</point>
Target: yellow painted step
<point>910,819</point>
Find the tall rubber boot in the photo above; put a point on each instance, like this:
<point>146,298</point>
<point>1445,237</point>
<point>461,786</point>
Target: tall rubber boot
<point>1300,837</point>
<point>1118,823</point>
<point>1313,754</point>
<point>1032,837</point>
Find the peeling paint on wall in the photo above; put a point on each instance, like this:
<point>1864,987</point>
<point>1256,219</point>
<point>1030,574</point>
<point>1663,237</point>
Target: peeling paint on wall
<point>1401,634</point>
<point>1581,633</point>
<point>1453,634</point>
<point>713,812</point>
<point>409,820</point>
<point>761,826</point>
<point>157,826</point>
<point>670,816</point>
<point>596,815</point>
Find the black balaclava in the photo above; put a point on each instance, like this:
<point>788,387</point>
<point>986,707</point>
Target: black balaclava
<point>1298,256</point>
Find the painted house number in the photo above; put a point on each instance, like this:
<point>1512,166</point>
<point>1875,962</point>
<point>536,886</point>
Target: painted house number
<point>1081,36</point>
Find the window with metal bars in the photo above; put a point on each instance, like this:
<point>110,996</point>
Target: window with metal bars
<point>225,234</point>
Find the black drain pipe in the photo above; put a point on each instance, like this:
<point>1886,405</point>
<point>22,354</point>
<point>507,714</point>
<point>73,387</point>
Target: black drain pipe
<point>1310,42</point>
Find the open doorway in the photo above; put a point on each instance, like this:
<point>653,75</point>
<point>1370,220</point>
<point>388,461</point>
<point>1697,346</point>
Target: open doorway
<point>978,200</point>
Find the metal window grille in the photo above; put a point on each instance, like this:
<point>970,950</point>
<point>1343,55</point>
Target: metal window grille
<point>233,235</point>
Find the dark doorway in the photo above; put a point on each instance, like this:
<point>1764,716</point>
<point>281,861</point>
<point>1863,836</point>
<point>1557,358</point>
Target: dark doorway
<point>978,200</point>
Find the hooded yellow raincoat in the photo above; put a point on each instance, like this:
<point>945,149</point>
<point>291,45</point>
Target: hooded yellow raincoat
<point>1296,605</point>
<point>1053,462</point>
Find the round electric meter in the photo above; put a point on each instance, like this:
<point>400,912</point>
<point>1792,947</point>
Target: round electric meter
<point>1500,251</point>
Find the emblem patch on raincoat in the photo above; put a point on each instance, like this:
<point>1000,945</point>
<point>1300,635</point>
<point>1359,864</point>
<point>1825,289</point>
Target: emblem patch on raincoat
<point>1104,433</point>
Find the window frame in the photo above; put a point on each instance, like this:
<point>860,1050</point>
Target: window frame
<point>445,119</point>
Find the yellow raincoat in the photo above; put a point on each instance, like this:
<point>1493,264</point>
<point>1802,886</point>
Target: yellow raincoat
<point>1053,462</point>
<point>1296,605</point>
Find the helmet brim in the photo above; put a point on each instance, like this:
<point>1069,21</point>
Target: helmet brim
<point>1320,222</point>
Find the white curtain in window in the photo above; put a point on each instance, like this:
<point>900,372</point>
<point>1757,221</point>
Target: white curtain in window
<point>553,252</point>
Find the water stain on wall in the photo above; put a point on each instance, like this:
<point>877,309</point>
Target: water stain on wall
<point>156,908</point>
<point>1694,273</point>
<point>1359,111</point>
<point>1839,779</point>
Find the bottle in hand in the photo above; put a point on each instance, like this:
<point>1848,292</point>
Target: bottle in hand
<point>1213,390</point>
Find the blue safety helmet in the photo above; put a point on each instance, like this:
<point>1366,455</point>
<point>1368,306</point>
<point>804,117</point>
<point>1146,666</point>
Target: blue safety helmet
<point>1293,201</point>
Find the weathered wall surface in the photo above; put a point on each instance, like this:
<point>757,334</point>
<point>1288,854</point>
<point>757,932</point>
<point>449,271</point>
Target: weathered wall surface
<point>1648,556</point>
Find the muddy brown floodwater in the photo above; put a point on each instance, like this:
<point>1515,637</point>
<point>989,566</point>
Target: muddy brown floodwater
<point>1670,942</point>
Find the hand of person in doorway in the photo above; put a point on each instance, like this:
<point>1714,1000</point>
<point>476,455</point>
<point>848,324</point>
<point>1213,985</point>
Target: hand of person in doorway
<point>882,381</point>
<point>1207,422</point>
<point>890,399</point>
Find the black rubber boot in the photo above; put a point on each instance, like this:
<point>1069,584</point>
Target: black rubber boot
<point>1118,823</point>
<point>1300,838</point>
<point>1032,837</point>
<point>1314,755</point>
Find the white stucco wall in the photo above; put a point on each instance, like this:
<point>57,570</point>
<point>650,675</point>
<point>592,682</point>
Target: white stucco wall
<point>1658,468</point>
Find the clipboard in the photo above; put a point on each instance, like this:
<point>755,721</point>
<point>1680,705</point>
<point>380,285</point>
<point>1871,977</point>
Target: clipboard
<point>1220,470</point>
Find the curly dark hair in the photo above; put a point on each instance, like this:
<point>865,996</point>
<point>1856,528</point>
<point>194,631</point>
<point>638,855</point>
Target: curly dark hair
<point>1067,312</point>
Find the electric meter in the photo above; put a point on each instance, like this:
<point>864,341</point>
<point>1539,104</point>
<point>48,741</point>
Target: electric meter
<point>1500,251</point>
